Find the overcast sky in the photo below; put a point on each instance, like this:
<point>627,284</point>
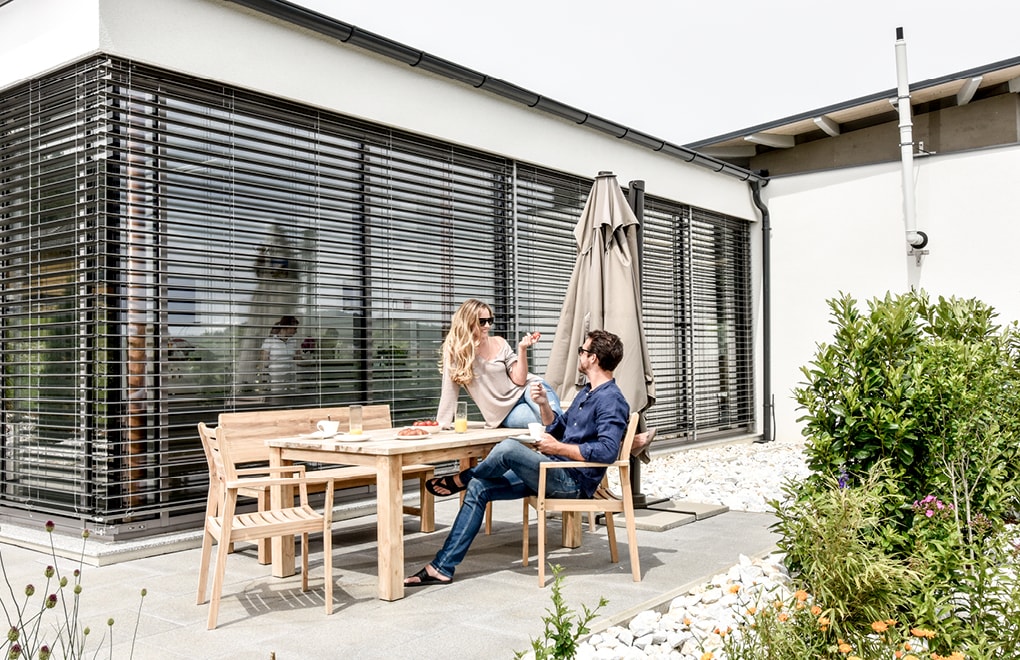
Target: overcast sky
<point>684,70</point>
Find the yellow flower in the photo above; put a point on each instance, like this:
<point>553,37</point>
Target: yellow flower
<point>911,657</point>
<point>823,623</point>
<point>844,647</point>
<point>752,610</point>
<point>778,604</point>
<point>734,588</point>
<point>783,616</point>
<point>921,632</point>
<point>801,595</point>
<point>815,610</point>
<point>707,655</point>
<point>879,626</point>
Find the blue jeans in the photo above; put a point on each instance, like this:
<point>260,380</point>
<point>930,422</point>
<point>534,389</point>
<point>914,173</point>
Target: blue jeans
<point>509,472</point>
<point>526,411</point>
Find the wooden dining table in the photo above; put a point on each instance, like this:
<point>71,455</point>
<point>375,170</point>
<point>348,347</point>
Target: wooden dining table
<point>388,453</point>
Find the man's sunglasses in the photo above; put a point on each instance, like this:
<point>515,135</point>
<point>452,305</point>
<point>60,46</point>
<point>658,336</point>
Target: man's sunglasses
<point>486,321</point>
<point>581,350</point>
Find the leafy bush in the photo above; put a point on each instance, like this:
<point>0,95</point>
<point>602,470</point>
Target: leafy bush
<point>833,540</point>
<point>931,388</point>
<point>913,426</point>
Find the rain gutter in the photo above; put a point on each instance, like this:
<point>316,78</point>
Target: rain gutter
<point>351,34</point>
<point>768,409</point>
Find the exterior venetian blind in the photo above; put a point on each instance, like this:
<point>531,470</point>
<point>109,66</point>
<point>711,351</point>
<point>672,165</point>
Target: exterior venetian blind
<point>695,290</point>
<point>154,228</point>
<point>696,294</point>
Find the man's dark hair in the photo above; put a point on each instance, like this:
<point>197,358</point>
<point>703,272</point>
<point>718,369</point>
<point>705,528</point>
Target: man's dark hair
<point>607,347</point>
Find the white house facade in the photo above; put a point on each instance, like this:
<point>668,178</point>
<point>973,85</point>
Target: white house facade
<point>176,177</point>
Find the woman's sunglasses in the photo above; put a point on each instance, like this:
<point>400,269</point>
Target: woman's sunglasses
<point>486,321</point>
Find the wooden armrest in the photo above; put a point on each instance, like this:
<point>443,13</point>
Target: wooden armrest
<point>292,469</point>
<point>555,465</point>
<point>281,481</point>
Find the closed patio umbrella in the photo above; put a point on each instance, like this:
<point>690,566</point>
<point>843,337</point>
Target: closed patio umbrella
<point>604,294</point>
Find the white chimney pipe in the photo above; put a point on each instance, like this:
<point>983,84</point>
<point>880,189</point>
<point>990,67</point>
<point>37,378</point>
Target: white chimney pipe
<point>915,238</point>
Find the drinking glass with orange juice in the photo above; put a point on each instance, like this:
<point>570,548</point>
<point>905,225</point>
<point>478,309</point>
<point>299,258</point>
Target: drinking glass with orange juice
<point>460,419</point>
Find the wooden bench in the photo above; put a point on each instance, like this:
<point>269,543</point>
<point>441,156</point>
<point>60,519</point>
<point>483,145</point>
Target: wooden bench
<point>260,425</point>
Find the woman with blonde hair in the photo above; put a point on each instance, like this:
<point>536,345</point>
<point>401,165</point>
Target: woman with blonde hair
<point>494,374</point>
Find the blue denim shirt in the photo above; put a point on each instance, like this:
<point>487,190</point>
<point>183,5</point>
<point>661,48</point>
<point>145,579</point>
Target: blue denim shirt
<point>597,421</point>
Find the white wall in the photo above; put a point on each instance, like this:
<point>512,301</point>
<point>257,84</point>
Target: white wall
<point>229,43</point>
<point>843,231</point>
<point>226,42</point>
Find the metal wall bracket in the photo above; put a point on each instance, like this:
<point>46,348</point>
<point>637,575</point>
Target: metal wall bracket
<point>917,255</point>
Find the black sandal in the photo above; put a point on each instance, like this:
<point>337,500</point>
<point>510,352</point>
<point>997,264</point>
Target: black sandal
<point>447,483</point>
<point>425,580</point>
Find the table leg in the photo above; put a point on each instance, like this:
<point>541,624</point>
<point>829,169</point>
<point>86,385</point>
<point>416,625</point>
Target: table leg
<point>390,501</point>
<point>572,529</point>
<point>282,546</point>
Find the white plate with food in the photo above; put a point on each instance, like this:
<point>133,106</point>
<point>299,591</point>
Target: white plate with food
<point>413,433</point>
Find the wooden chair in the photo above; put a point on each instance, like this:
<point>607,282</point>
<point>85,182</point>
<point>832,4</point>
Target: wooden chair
<point>224,525</point>
<point>603,500</point>
<point>259,425</point>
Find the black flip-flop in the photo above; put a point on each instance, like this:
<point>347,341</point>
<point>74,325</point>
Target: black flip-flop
<point>425,580</point>
<point>446,483</point>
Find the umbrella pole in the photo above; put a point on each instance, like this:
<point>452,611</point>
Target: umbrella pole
<point>641,501</point>
<point>636,201</point>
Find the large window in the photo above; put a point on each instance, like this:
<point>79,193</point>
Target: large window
<point>155,229</point>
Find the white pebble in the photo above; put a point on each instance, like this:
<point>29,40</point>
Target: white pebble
<point>743,477</point>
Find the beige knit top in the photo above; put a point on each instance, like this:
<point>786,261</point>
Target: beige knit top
<point>491,389</point>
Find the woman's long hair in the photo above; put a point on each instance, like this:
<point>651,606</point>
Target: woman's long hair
<point>459,345</point>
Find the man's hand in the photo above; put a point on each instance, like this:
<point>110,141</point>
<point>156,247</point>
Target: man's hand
<point>550,446</point>
<point>546,444</point>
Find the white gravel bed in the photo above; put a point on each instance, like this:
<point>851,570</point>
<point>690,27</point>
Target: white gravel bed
<point>743,477</point>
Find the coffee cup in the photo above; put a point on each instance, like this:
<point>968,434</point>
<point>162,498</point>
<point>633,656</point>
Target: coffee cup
<point>536,430</point>
<point>328,428</point>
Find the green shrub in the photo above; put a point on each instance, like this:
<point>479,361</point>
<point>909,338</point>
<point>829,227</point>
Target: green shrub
<point>912,415</point>
<point>931,388</point>
<point>836,539</point>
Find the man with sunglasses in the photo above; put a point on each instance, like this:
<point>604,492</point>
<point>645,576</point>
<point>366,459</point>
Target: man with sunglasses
<point>590,430</point>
